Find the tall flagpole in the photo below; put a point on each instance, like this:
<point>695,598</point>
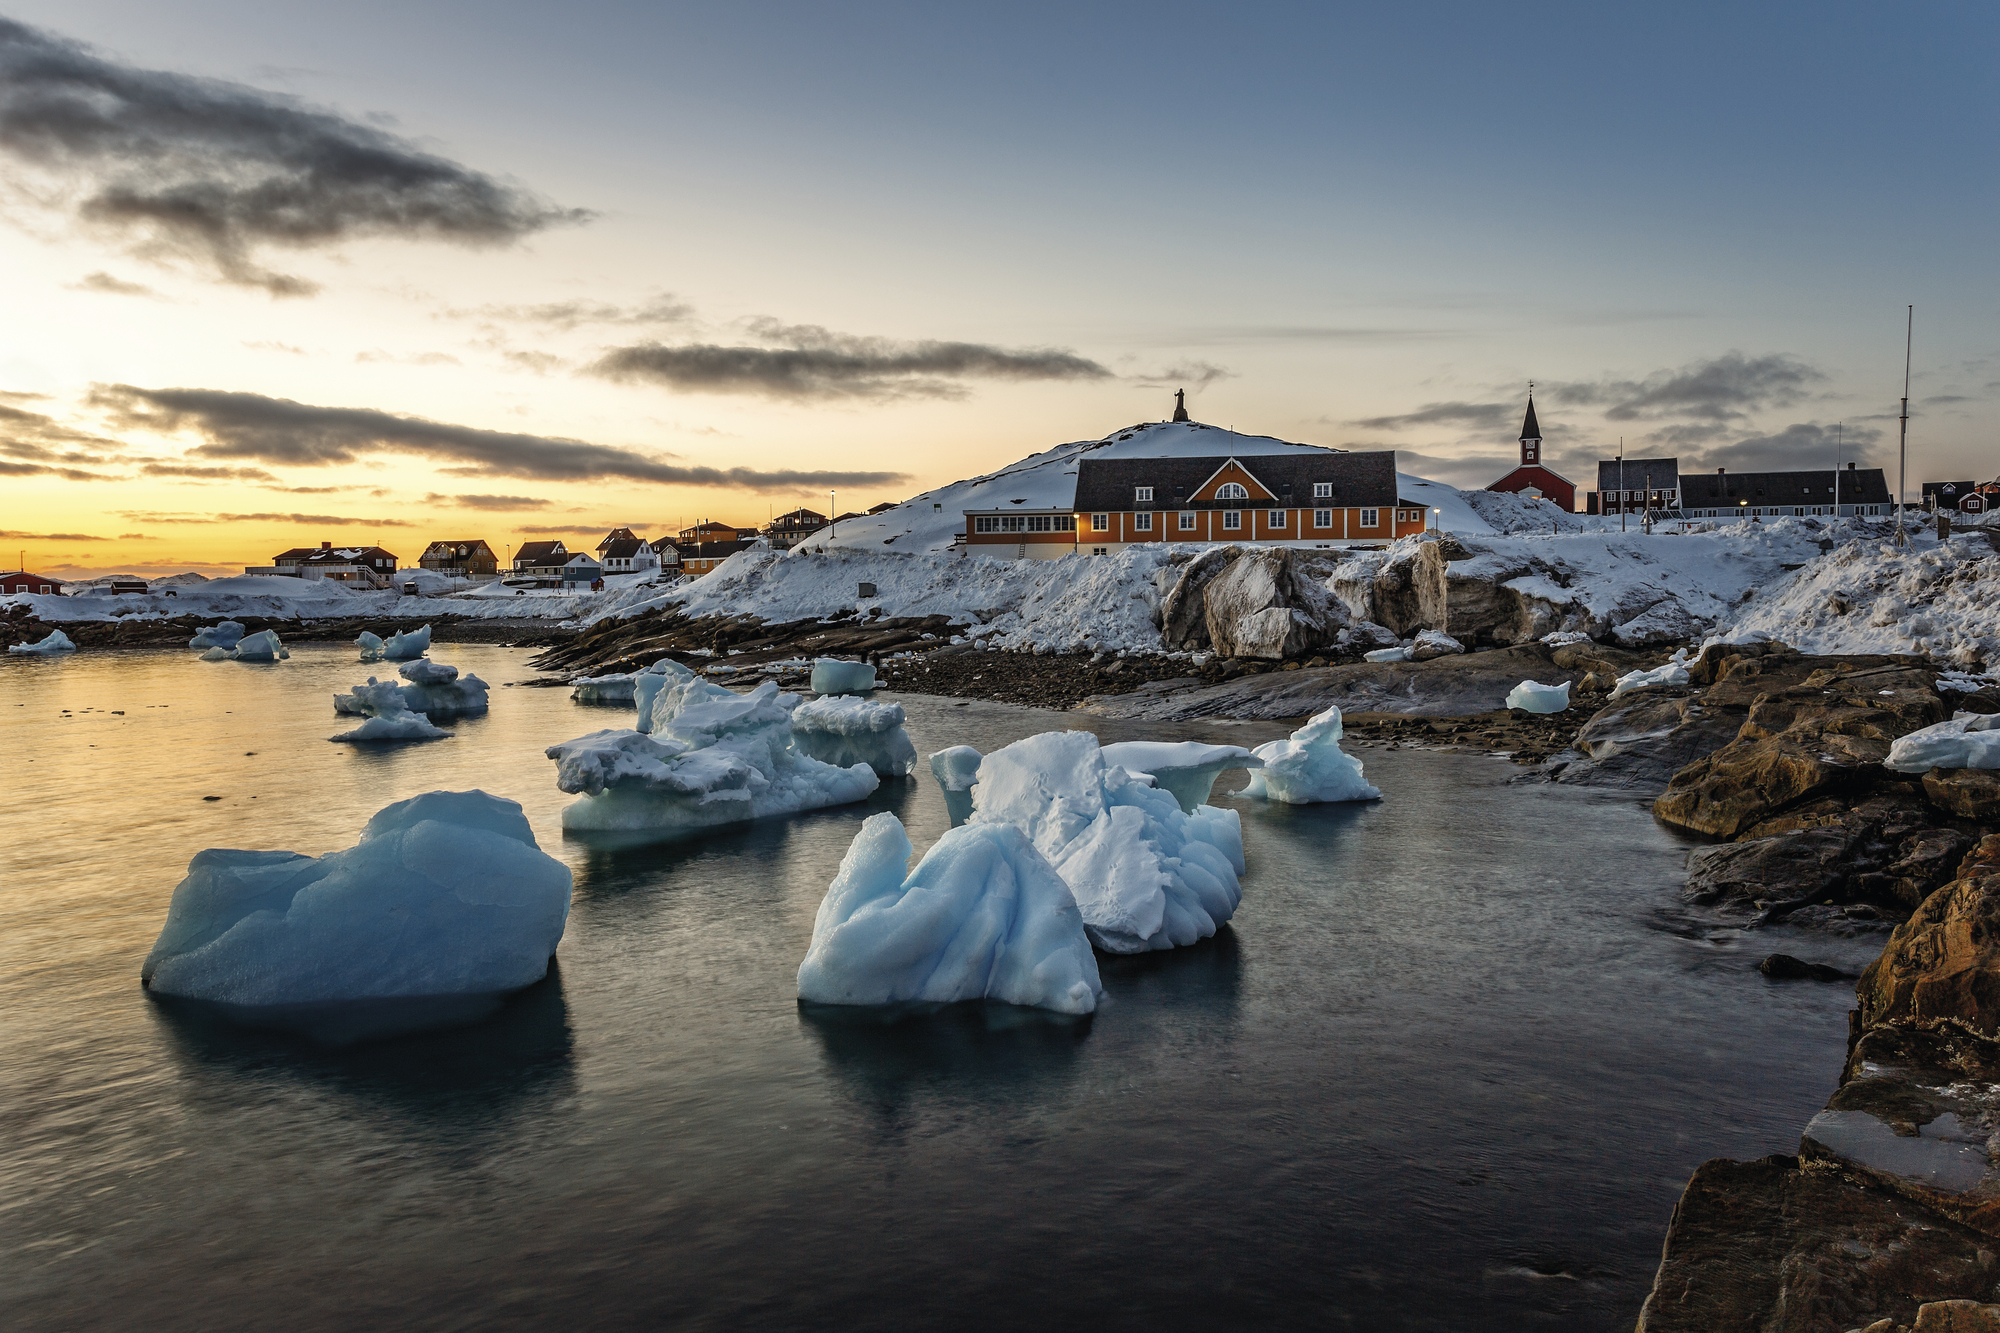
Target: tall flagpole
<point>1903,440</point>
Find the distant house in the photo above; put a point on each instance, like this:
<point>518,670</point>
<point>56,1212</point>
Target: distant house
<point>461,559</point>
<point>1636,485</point>
<point>1847,493</point>
<point>580,568</point>
<point>699,558</point>
<point>627,555</point>
<point>541,558</point>
<point>1963,496</point>
<point>667,552</point>
<point>1533,477</point>
<point>617,535</point>
<point>883,507</point>
<point>789,529</point>
<point>709,531</point>
<point>21,581</point>
<point>370,566</point>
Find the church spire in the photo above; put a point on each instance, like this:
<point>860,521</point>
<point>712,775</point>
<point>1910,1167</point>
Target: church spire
<point>1180,405</point>
<point>1531,431</point>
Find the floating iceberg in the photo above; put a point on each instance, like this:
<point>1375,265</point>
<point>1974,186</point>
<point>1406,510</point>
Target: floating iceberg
<point>1188,769</point>
<point>612,689</point>
<point>371,646</point>
<point>404,647</point>
<point>263,646</point>
<point>435,689</point>
<point>1309,767</point>
<point>983,916</point>
<point>840,729</point>
<point>398,724</point>
<point>218,655</point>
<point>833,676</point>
<point>956,769</point>
<point>445,894</point>
<point>57,642</point>
<point>655,680</point>
<point>1968,740</point>
<point>1671,672</point>
<point>712,757</point>
<point>1145,874</point>
<point>227,634</point>
<point>1538,698</point>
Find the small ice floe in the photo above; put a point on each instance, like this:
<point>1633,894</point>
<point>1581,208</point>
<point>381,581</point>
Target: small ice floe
<point>701,756</point>
<point>1145,873</point>
<point>1534,697</point>
<point>444,905</point>
<point>830,675</point>
<point>1309,767</point>
<point>1670,673</point>
<point>956,768</point>
<point>388,717</point>
<point>1401,654</point>
<point>1563,638</point>
<point>623,688</point>
<point>1188,769</point>
<point>226,634</point>
<point>842,730</point>
<point>1967,740</point>
<point>984,916</point>
<point>435,689</point>
<point>406,647</point>
<point>263,646</point>
<point>56,642</point>
<point>370,644</point>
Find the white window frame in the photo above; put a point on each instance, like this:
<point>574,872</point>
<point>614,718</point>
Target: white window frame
<point>1142,522</point>
<point>1275,519</point>
<point>1100,522</point>
<point>1322,490</point>
<point>1232,490</point>
<point>1187,520</point>
<point>1142,495</point>
<point>1371,518</point>
<point>1232,520</point>
<point>1322,518</point>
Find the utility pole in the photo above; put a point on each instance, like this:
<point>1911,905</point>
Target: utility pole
<point>1903,435</point>
<point>1647,522</point>
<point>1839,447</point>
<point>1622,506</point>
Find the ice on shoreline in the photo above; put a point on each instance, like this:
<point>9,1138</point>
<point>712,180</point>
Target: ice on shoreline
<point>1967,740</point>
<point>843,730</point>
<point>1534,697</point>
<point>56,642</point>
<point>1309,767</point>
<point>983,916</point>
<point>833,676</point>
<point>444,894</point>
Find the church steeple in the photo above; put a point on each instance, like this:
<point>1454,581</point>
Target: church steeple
<point>1531,432</point>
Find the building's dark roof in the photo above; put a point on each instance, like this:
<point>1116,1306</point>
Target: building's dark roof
<point>1358,479</point>
<point>623,548</point>
<point>799,518</point>
<point>539,553</point>
<point>296,553</point>
<point>23,576</point>
<point>1861,486</point>
<point>883,507</point>
<point>663,546</point>
<point>619,535</point>
<point>711,550</point>
<point>1530,428</point>
<point>345,555</point>
<point>452,548</point>
<point>1665,473</point>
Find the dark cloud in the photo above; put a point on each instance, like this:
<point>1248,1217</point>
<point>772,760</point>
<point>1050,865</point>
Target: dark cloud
<point>218,171</point>
<point>1467,470</point>
<point>193,473</point>
<point>1799,446</point>
<point>1478,416</point>
<point>1725,388</point>
<point>1199,374</point>
<point>285,433</point>
<point>134,537</point>
<point>572,530</point>
<point>488,501</point>
<point>51,537</point>
<point>567,315</point>
<point>10,469</point>
<point>810,362</point>
<point>321,520</point>
<point>110,286</point>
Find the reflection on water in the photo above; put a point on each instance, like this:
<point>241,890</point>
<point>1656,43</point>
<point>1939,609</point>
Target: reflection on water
<point>1443,1071</point>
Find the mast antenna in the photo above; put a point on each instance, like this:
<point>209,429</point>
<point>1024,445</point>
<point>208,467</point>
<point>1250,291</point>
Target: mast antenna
<point>1903,431</point>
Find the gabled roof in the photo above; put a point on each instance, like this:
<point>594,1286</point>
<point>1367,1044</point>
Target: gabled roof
<point>442,548</point>
<point>1665,472</point>
<point>662,545</point>
<point>1861,486</point>
<point>578,559</point>
<point>711,550</point>
<point>1531,429</point>
<point>623,548</point>
<point>538,551</point>
<point>1537,467</point>
<point>344,555</point>
<point>1357,479</point>
<point>619,535</point>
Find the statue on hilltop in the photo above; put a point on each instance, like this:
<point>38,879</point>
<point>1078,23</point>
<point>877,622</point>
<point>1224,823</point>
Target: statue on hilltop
<point>1180,405</point>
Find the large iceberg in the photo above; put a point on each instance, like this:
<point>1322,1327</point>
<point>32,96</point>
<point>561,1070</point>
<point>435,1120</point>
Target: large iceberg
<point>840,729</point>
<point>983,916</point>
<point>445,894</point>
<point>404,647</point>
<point>1188,769</point>
<point>56,642</point>
<point>370,644</point>
<point>651,683</point>
<point>1145,874</point>
<point>623,687</point>
<point>956,768</point>
<point>226,634</point>
<point>1309,767</point>
<point>1967,740</point>
<point>435,689</point>
<point>1535,697</point>
<point>705,756</point>
<point>830,675</point>
<point>263,646</point>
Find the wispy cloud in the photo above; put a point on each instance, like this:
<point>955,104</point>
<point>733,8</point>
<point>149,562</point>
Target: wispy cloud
<point>107,285</point>
<point>314,520</point>
<point>563,316</point>
<point>218,171</point>
<point>502,502</point>
<point>376,356</point>
<point>572,530</point>
<point>806,361</point>
<point>285,433</point>
<point>1476,416</point>
<point>51,537</point>
<point>191,472</point>
<point>1724,388</point>
<point>1798,446</point>
<point>1198,374</point>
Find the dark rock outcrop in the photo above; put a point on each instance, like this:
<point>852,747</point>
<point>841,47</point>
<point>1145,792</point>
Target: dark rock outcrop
<point>1969,793</point>
<point>1639,742</point>
<point>1784,967</point>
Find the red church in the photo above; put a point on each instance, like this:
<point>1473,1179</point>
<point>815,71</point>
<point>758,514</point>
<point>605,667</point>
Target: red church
<point>1531,478</point>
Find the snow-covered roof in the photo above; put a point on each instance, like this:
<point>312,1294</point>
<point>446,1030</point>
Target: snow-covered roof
<point>1356,478</point>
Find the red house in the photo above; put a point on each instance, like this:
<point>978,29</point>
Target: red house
<point>22,581</point>
<point>1531,478</point>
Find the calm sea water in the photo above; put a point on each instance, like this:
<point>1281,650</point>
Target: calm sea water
<point>1448,1070</point>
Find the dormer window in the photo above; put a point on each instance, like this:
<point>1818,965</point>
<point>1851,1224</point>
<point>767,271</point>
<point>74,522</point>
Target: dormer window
<point>1322,490</point>
<point>1231,490</point>
<point>1142,495</point>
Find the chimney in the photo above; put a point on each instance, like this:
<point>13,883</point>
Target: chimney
<point>1850,467</point>
<point>1719,471</point>
<point>326,546</point>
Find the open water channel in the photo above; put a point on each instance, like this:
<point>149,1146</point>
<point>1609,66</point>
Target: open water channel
<point>1448,1069</point>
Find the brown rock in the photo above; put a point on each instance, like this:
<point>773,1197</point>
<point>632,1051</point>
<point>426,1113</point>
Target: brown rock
<point>1957,1317</point>
<point>1807,866</point>
<point>1969,793</point>
<point>1942,966</point>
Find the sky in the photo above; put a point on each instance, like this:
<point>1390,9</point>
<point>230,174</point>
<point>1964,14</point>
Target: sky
<point>284,273</point>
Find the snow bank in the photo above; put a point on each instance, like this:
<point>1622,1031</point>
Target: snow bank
<point>227,634</point>
<point>1534,697</point>
<point>1968,740</point>
<point>842,730</point>
<point>403,646</point>
<point>312,599</point>
<point>983,916</point>
<point>445,894</point>
<point>434,688</point>
<point>956,768</point>
<point>1929,597</point>
<point>1309,767</point>
<point>1187,769</point>
<point>710,756</point>
<point>1145,874</point>
<point>830,675</point>
<point>56,642</point>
